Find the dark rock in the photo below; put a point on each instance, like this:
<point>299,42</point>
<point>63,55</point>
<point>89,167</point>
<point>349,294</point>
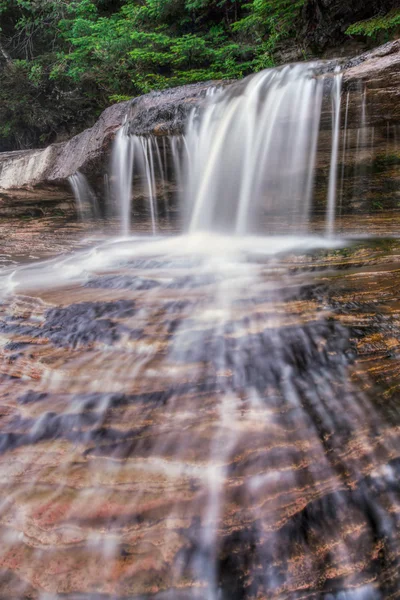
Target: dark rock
<point>78,324</point>
<point>165,113</point>
<point>327,20</point>
<point>32,397</point>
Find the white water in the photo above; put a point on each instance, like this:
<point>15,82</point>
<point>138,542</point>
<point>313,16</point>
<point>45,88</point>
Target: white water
<point>122,174</point>
<point>253,149</point>
<point>108,255</point>
<point>86,201</point>
<point>331,208</point>
<point>344,148</point>
<point>249,154</point>
<point>140,167</point>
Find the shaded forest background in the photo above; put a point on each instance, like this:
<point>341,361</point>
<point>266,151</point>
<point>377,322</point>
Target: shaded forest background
<point>63,61</point>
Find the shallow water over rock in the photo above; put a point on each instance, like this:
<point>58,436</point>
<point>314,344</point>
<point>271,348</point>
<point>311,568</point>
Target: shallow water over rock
<point>202,417</point>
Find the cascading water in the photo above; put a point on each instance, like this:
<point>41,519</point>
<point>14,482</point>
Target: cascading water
<point>254,147</point>
<point>139,163</point>
<point>248,154</point>
<point>185,417</point>
<point>331,206</point>
<point>85,197</point>
<point>344,148</point>
<point>122,173</point>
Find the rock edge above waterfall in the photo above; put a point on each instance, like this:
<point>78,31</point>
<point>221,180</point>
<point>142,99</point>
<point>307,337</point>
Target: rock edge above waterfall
<point>165,113</point>
<point>158,112</point>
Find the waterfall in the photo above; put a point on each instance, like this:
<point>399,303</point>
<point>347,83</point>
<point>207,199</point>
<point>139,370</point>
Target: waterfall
<point>254,148</point>
<point>211,415</point>
<point>360,185</point>
<point>122,174</point>
<point>147,158</point>
<point>345,142</point>
<point>138,164</point>
<point>85,197</point>
<point>247,159</point>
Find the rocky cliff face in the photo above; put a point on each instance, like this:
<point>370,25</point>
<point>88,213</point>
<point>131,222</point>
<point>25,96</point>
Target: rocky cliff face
<point>57,162</point>
<point>327,20</point>
<point>379,73</point>
<point>369,163</point>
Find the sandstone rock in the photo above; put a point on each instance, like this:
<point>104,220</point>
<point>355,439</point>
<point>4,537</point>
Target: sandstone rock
<point>29,168</point>
<point>379,72</point>
<point>108,477</point>
<point>160,113</point>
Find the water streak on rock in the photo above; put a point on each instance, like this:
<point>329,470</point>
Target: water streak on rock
<point>86,201</point>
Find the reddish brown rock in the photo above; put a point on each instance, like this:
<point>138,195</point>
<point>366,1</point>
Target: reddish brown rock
<point>113,453</point>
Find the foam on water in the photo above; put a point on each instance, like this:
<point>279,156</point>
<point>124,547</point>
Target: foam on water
<point>76,267</point>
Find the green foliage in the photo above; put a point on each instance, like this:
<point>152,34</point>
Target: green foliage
<point>34,109</point>
<point>146,46</point>
<point>271,20</point>
<point>160,43</point>
<point>376,26</point>
<point>62,60</point>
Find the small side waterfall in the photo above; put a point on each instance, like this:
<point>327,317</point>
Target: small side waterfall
<point>139,163</point>
<point>344,148</point>
<point>122,173</point>
<point>86,201</point>
<point>331,208</point>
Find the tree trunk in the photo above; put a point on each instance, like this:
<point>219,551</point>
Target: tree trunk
<point>5,54</point>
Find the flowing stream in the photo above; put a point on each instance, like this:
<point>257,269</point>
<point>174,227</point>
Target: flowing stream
<point>186,416</point>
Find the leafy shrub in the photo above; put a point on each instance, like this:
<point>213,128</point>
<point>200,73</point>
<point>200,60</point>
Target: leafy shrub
<point>376,26</point>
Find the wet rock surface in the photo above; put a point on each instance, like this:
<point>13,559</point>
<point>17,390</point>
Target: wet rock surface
<point>166,113</point>
<point>239,435</point>
<point>379,72</point>
<point>76,325</point>
<point>122,282</point>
